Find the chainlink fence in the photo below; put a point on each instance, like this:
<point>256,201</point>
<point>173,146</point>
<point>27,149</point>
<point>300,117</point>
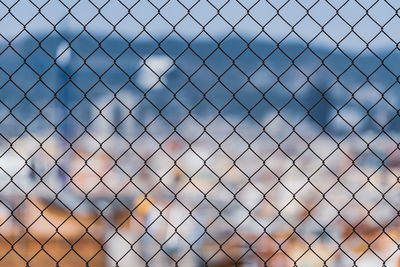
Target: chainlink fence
<point>199,133</point>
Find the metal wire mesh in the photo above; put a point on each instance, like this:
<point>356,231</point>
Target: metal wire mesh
<point>199,133</point>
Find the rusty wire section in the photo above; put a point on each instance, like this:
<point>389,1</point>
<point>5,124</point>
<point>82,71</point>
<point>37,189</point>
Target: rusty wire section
<point>199,133</point>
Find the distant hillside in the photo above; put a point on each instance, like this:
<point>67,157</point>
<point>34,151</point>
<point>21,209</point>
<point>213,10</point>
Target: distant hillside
<point>236,79</point>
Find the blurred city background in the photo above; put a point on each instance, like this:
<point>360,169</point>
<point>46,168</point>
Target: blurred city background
<point>199,133</point>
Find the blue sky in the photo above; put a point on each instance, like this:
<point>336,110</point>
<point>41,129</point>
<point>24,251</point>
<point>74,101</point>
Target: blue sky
<point>260,12</point>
